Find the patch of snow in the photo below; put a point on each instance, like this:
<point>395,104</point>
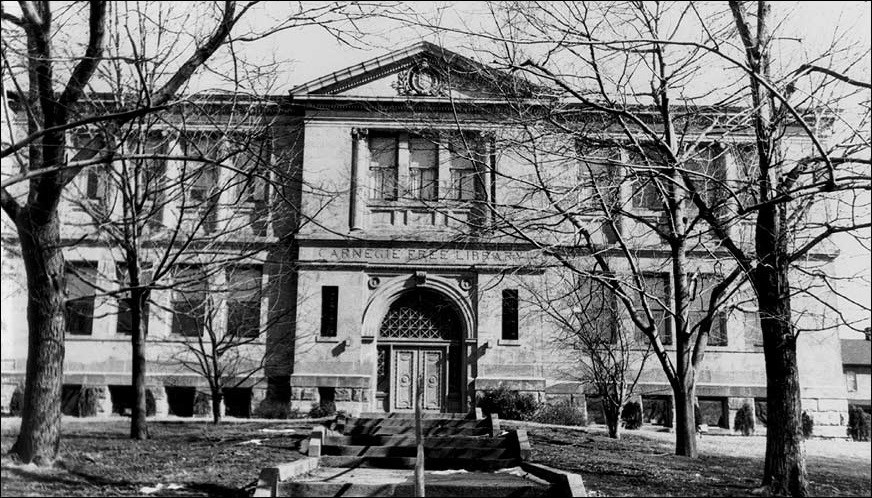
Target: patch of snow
<point>148,490</point>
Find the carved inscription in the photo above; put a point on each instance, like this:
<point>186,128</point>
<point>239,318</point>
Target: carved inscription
<point>435,256</point>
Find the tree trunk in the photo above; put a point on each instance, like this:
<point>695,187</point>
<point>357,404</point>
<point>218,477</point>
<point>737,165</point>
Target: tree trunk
<point>613,419</point>
<point>39,437</point>
<point>685,423</point>
<point>138,424</point>
<point>216,405</point>
<point>784,472</point>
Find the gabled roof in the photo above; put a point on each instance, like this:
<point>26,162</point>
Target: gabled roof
<point>394,61</point>
<point>856,352</point>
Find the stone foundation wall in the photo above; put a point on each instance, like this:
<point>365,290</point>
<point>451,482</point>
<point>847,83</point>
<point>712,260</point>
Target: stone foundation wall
<point>830,416</point>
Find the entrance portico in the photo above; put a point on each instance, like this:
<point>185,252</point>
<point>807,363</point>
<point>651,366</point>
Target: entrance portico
<point>419,326</point>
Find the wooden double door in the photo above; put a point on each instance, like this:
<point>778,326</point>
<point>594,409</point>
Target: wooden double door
<point>414,368</point>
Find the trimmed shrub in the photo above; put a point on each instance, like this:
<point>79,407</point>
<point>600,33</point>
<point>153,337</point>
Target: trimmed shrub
<point>744,421</point>
<point>17,401</point>
<point>323,409</point>
<point>89,401</point>
<point>202,404</point>
<point>271,408</point>
<point>562,413</point>
<point>859,423</point>
<point>631,415</point>
<point>807,425</point>
<point>508,404</point>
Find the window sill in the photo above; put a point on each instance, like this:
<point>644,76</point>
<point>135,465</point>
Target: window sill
<point>509,342</point>
<point>434,204</point>
<point>328,339</point>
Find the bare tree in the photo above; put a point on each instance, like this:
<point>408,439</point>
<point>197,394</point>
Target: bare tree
<point>589,321</point>
<point>33,64</point>
<point>637,78</point>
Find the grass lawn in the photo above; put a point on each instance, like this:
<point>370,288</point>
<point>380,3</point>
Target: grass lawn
<point>642,463</point>
<point>205,460</point>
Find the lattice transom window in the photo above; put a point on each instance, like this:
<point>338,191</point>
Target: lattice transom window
<point>423,316</point>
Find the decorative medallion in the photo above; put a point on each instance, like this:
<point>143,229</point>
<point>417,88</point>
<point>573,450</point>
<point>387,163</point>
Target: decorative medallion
<point>466,284</point>
<point>420,79</point>
<point>374,282</point>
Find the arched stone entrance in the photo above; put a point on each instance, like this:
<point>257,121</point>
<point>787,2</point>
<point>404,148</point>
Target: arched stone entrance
<point>420,336</point>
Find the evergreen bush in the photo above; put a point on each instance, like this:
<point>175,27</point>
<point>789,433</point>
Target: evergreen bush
<point>270,408</point>
<point>858,423</point>
<point>744,421</point>
<point>508,404</point>
<point>807,425</point>
<point>88,403</point>
<point>202,404</point>
<point>631,415</point>
<point>17,401</point>
<point>323,409</point>
<point>562,413</point>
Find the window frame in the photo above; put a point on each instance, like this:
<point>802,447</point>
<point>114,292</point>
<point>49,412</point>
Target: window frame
<point>329,311</point>
<point>182,305</point>
<point>252,303</point>
<point>89,301</point>
<point>509,316</point>
<point>409,188</point>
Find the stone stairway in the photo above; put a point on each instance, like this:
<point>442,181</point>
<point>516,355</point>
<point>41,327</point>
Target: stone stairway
<point>450,442</point>
<point>375,455</point>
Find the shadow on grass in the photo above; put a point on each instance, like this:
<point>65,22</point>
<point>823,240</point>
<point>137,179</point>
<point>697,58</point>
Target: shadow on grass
<point>212,489</point>
<point>64,476</point>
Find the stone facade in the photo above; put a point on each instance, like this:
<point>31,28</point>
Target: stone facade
<point>389,258</point>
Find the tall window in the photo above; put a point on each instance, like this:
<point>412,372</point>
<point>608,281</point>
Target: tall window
<point>124,322</point>
<point>649,190</point>
<point>510,314</point>
<point>243,303</point>
<point>383,149</point>
<point>252,183</point>
<point>329,310</point>
<point>708,165</point>
<point>125,317</point>
<point>423,168</point>
<point>699,308</point>
<point>81,280</point>
<point>597,173</point>
<point>189,302</point>
<point>145,179</point>
<point>202,176</point>
<point>657,295</point>
<point>596,309</point>
<point>96,179</point>
<point>465,151</point>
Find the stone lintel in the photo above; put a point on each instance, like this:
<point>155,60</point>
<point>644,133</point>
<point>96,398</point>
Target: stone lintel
<point>330,380</point>
<point>515,384</point>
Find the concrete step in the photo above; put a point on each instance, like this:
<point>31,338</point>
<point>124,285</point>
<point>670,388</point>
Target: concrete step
<point>409,440</point>
<point>411,415</point>
<point>427,422</point>
<point>411,451</point>
<point>409,463</point>
<point>405,429</point>
<point>302,489</point>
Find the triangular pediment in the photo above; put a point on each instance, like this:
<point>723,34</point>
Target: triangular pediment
<point>421,70</point>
